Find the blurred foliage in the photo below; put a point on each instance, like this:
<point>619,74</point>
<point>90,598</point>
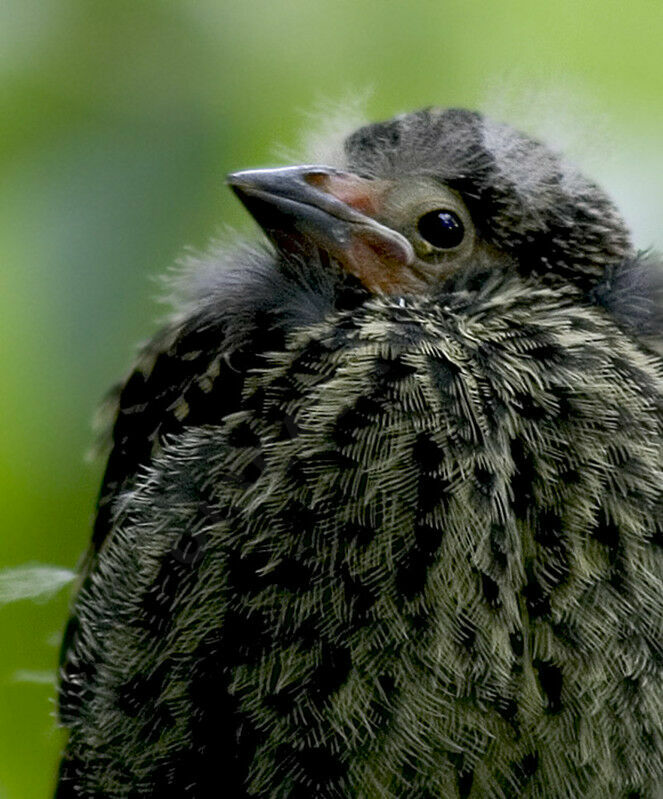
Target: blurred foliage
<point>120,119</point>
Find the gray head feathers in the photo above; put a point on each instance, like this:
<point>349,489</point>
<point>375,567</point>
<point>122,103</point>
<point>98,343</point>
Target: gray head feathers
<point>545,218</point>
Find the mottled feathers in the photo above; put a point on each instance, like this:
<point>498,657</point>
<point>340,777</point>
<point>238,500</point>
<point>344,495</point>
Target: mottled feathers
<point>379,546</point>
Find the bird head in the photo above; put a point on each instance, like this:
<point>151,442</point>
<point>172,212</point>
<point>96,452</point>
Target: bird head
<point>431,195</point>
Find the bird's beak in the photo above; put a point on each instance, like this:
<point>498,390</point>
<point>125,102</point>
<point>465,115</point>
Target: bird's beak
<point>331,210</point>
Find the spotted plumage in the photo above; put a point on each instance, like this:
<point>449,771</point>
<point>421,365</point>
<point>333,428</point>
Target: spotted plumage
<point>359,542</point>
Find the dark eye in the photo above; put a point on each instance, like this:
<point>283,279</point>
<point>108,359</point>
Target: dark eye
<point>443,229</point>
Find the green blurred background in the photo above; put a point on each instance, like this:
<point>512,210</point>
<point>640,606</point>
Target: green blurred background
<point>118,121</point>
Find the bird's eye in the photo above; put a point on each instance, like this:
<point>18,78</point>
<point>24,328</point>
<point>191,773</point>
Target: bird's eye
<point>441,228</point>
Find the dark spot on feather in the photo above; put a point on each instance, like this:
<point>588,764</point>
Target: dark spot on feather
<point>523,478</point>
<point>631,686</point>
<point>443,373</point>
<point>427,454</point>
<point>405,334</point>
<point>354,419</point>
<point>584,323</point>
<point>391,371</point>
<point>282,701</point>
<point>527,766</point>
<point>255,401</point>
<point>252,471</point>
<point>320,767</point>
<point>156,604</point>
<point>507,708</point>
<point>465,779</point>
<point>244,571</point>
<point>499,546</point>
<point>281,387</point>
<point>351,295</point>
<point>548,352</point>
<point>490,590</point>
<point>566,406</point>
<point>432,491</point>
<point>548,532</point>
<point>289,574</point>
<point>295,470</point>
<point>412,573</point>
<point>387,685</point>
<point>464,773</point>
<point>657,535</point>
<point>167,778</point>
<point>619,571</point>
<point>361,533</point>
<point>569,475</point>
<point>315,350</point>
<point>308,362</point>
<point>159,720</point>
<point>496,411</point>
<point>68,777</point>
<point>194,772</point>
<point>168,370</point>
<point>284,766</point>
<point>485,480</point>
<point>606,533</point>
<point>550,679</point>
<point>359,597</point>
<point>569,634</point>
<point>420,621</point>
<point>427,539</point>
<point>246,636</point>
<point>529,409</point>
<point>142,691</point>
<point>369,408</point>
<point>333,671</point>
<point>338,338</point>
<point>303,632</point>
<point>536,598</point>
<point>215,716</point>
<point>288,428</point>
<point>206,406</point>
<point>301,519</point>
<point>190,547</point>
<point>486,354</point>
<point>517,643</point>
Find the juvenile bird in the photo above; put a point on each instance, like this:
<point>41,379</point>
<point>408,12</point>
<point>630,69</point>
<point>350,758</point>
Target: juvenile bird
<point>383,513</point>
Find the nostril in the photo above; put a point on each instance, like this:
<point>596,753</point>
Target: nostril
<point>361,194</point>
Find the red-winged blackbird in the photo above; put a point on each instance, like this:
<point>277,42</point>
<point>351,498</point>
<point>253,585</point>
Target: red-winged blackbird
<point>383,511</point>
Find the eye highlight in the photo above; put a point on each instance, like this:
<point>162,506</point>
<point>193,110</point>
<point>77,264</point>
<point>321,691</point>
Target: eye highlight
<point>441,228</point>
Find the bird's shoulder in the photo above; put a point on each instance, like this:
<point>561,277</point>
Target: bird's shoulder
<point>230,307</point>
<point>185,376</point>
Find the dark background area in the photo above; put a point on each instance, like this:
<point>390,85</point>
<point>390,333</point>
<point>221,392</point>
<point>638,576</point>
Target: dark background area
<point>120,119</point>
